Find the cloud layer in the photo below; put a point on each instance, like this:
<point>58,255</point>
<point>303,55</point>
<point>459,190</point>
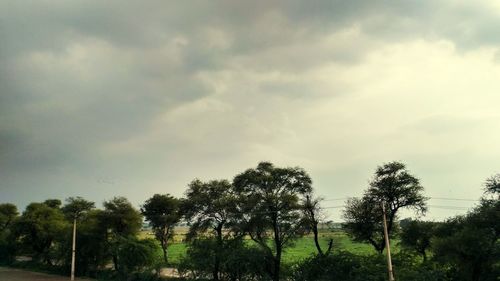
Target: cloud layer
<point>105,98</point>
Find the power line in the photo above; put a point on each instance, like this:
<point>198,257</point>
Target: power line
<point>454,199</point>
<point>337,199</point>
<point>435,198</point>
<point>449,207</point>
<point>334,207</point>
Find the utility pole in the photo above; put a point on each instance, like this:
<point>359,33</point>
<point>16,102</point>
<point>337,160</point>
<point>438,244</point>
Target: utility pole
<point>73,251</point>
<point>386,236</point>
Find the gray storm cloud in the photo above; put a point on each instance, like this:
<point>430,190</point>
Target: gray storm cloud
<point>105,98</point>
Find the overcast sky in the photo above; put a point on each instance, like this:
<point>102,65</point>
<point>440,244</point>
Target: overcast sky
<point>132,98</point>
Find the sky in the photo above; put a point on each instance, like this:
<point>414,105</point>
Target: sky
<point>131,98</point>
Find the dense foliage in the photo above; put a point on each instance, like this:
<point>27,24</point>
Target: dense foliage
<point>239,230</point>
<point>393,186</point>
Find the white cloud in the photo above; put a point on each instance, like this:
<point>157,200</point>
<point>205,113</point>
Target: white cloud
<point>152,96</point>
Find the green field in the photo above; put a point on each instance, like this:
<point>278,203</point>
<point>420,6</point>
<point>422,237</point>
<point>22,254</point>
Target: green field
<point>303,247</point>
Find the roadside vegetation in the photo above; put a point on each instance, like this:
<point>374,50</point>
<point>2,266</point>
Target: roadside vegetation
<point>265,224</point>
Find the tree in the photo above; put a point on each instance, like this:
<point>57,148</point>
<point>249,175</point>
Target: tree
<point>470,243</point>
<point>92,250</point>
<point>74,209</point>
<point>39,227</point>
<point>8,215</point>
<point>208,207</point>
<point>393,186</point>
<point>271,207</point>
<point>53,203</point>
<point>121,220</point>
<point>163,213</point>
<point>135,255</point>
<point>239,261</point>
<point>492,185</point>
<point>8,212</point>
<point>312,212</point>
<point>363,221</point>
<point>416,235</point>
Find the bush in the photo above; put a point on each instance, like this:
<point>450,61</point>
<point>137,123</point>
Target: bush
<point>7,248</point>
<point>344,266</point>
<point>238,261</point>
<point>337,266</point>
<point>135,257</point>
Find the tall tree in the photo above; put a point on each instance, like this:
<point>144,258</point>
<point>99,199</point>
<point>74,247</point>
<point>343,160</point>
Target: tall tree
<point>208,207</point>
<point>392,185</point>
<point>121,220</point>
<point>271,207</point>
<point>163,213</point>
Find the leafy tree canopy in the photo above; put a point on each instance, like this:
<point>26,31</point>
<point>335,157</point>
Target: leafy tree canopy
<point>8,212</point>
<point>163,213</point>
<point>393,186</point>
<point>271,199</point>
<point>121,217</point>
<point>76,206</point>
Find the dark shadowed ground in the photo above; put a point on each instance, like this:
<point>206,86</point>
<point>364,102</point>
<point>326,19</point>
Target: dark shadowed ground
<point>9,274</point>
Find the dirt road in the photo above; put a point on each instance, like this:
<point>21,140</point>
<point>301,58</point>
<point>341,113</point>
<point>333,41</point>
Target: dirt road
<point>10,274</point>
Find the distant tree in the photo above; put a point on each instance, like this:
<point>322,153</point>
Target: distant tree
<point>208,207</point>
<point>272,209</point>
<point>312,213</point>
<point>163,213</point>
<point>53,203</point>
<point>393,186</point>
<point>8,212</point>
<point>39,228</point>
<point>416,235</point>
<point>492,185</point>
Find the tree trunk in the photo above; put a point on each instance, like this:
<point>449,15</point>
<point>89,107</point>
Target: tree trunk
<point>217,252</point>
<point>164,242</point>
<point>115,262</point>
<point>278,245</point>
<point>315,231</point>
<point>165,255</point>
<point>277,264</point>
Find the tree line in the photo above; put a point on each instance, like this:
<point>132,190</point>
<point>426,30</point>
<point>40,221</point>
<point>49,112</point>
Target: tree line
<point>239,230</point>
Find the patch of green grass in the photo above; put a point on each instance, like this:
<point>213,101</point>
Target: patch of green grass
<point>301,249</point>
<point>176,251</point>
<point>304,247</point>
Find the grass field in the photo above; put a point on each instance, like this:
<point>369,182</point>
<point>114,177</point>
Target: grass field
<point>302,248</point>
